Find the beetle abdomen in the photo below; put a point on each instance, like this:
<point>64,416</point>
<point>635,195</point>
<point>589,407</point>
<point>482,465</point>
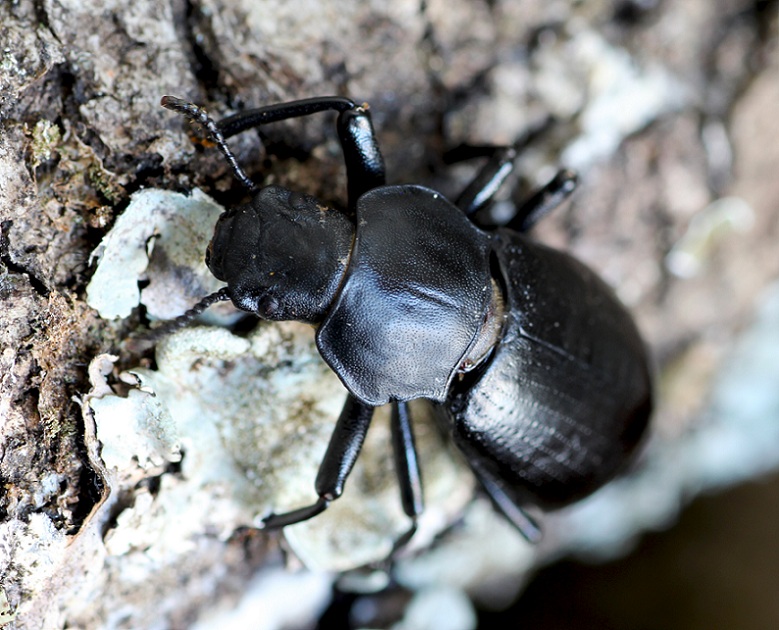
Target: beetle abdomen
<point>413,298</point>
<point>567,395</point>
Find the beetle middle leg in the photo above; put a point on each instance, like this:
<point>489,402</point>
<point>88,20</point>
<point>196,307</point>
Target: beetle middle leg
<point>341,454</point>
<point>406,469</point>
<point>479,193</point>
<point>544,200</point>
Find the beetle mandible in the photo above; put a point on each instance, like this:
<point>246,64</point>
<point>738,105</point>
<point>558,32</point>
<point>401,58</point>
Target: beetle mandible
<point>533,365</point>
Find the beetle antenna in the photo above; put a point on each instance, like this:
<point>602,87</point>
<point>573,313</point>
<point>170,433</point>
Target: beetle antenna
<point>197,114</point>
<point>181,321</point>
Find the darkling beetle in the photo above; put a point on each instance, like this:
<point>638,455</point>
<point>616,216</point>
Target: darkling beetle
<point>533,365</point>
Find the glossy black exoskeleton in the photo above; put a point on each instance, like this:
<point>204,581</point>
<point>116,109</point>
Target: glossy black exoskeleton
<point>535,367</point>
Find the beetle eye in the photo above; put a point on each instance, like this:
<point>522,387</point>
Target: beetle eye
<point>268,307</point>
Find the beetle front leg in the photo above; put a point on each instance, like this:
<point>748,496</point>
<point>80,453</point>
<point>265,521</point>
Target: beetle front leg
<point>363,159</point>
<point>342,451</point>
<point>362,156</point>
<point>364,162</point>
<point>406,460</point>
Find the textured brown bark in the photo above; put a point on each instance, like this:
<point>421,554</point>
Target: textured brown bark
<point>81,129</point>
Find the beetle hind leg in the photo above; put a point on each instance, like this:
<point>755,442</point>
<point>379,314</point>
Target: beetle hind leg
<point>507,504</point>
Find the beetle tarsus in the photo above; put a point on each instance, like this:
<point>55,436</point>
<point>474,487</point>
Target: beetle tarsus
<point>402,540</point>
<point>277,521</point>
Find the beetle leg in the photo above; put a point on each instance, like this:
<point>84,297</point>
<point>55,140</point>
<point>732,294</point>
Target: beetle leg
<point>342,451</point>
<point>406,461</point>
<point>363,159</point>
<point>544,200</point>
<point>251,118</point>
<point>364,162</point>
<point>277,521</point>
<point>480,192</point>
<point>526,525</point>
<point>362,156</point>
<point>406,468</point>
<point>464,151</point>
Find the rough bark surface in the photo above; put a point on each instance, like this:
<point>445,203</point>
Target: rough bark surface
<point>665,108</point>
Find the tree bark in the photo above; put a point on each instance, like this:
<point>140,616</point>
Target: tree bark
<point>666,109</point>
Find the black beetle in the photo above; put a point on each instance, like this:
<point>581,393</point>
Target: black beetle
<point>535,367</point>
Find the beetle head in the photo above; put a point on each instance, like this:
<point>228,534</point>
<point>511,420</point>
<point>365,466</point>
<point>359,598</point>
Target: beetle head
<point>283,254</point>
